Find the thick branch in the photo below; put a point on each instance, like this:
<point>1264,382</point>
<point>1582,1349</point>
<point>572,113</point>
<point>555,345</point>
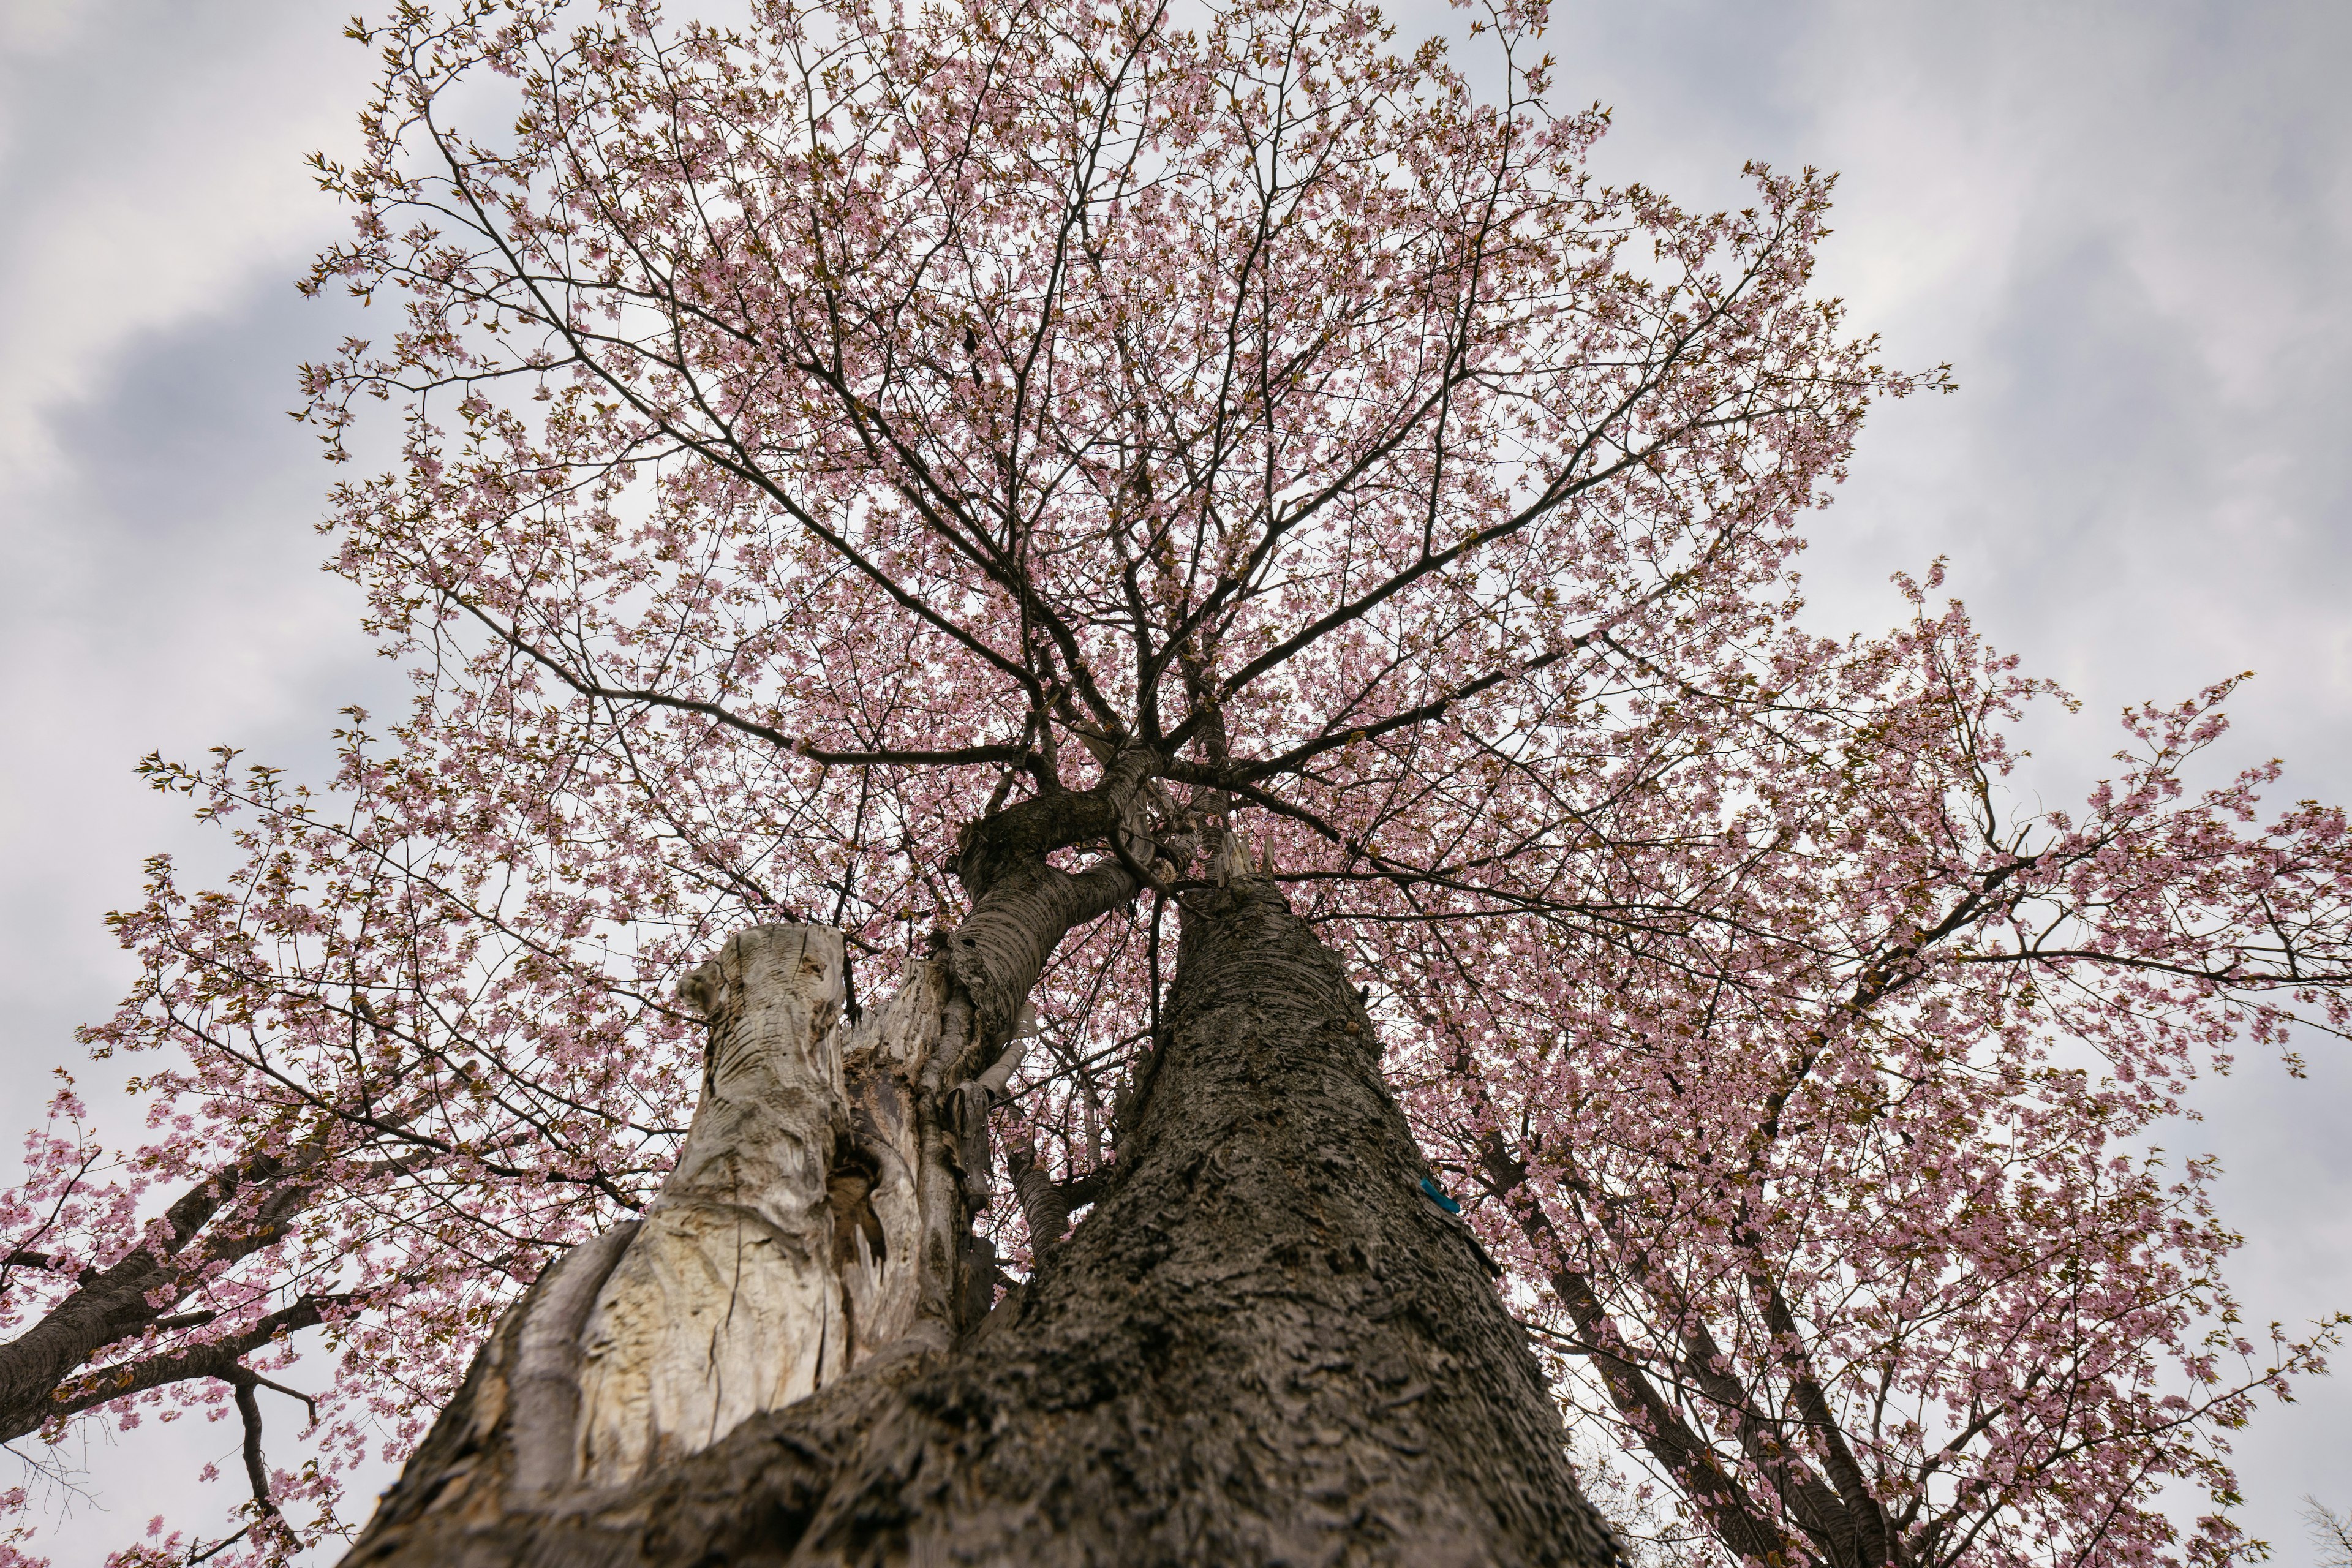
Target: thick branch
<point>1742,1526</point>
<point>136,1292</point>
<point>217,1359</point>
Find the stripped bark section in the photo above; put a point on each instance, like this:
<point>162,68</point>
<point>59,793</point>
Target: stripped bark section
<point>902,1231</point>
<point>789,1245</point>
<point>732,1298</point>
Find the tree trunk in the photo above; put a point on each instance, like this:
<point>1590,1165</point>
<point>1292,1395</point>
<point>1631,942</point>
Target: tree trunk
<point>1265,1345</point>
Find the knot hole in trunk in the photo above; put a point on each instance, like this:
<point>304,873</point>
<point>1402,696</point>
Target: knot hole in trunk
<point>849,1191</point>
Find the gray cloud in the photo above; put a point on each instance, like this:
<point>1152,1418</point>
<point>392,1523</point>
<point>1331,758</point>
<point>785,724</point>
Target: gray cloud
<point>155,511</point>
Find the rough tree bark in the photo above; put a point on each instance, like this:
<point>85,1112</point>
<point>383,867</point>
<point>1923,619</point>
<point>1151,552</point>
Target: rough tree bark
<point>1265,1345</point>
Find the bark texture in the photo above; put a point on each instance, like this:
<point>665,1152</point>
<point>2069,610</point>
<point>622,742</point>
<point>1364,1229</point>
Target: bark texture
<point>1265,1345</point>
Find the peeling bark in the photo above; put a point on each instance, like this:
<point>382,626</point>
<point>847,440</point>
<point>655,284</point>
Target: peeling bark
<point>1265,1345</point>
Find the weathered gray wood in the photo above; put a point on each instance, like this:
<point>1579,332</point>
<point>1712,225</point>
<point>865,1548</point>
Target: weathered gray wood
<point>740,1291</point>
<point>787,1246</point>
<point>912,1192</point>
<point>545,1384</point>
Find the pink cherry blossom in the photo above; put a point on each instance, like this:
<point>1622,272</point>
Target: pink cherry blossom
<point>818,436</point>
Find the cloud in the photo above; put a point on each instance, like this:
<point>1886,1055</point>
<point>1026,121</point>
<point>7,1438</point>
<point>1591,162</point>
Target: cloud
<point>152,165</point>
<point>156,510</point>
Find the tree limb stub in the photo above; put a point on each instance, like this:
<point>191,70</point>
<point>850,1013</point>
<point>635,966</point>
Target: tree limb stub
<point>790,1243</point>
<point>728,1300</point>
<point>820,1212</point>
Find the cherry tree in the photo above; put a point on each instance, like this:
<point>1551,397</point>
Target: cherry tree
<point>1834,1168</point>
<point>1069,610</point>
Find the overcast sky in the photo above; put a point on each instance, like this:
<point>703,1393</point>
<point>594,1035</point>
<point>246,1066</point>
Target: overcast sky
<point>2127,225</point>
